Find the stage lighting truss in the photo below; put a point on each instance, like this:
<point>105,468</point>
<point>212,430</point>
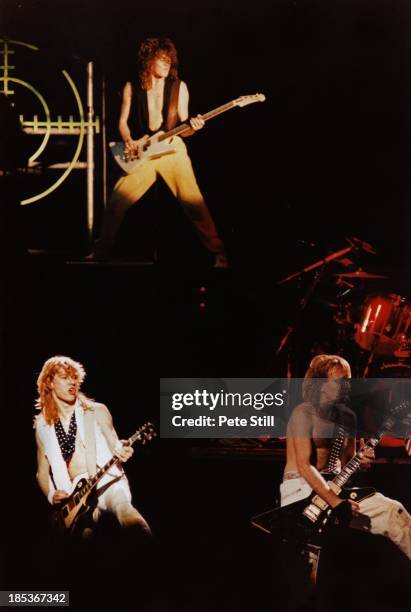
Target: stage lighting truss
<point>75,125</point>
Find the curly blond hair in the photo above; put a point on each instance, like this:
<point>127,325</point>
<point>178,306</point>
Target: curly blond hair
<point>56,365</point>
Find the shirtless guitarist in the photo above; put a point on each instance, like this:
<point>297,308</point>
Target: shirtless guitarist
<point>308,434</point>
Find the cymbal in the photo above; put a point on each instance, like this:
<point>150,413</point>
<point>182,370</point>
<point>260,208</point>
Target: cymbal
<point>360,274</point>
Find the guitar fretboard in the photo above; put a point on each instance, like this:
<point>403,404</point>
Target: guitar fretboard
<point>186,126</point>
<point>354,464</point>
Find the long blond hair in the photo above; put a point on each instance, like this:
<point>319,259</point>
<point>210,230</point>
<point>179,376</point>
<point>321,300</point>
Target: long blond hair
<point>321,367</point>
<point>45,401</point>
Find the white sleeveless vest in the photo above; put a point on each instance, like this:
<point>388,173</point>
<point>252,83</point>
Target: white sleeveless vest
<point>48,437</point>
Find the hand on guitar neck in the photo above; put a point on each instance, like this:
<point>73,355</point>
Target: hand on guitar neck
<point>196,123</point>
<point>123,450</point>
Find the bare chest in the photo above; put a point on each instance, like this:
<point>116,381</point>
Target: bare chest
<point>78,464</point>
<point>155,102</point>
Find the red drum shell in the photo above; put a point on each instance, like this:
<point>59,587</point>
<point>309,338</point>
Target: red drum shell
<point>384,325</point>
<point>394,370</point>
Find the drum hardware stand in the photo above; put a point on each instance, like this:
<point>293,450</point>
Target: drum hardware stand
<point>317,264</point>
<point>293,326</point>
<point>342,316</point>
<point>360,244</point>
<point>355,244</point>
<point>371,357</point>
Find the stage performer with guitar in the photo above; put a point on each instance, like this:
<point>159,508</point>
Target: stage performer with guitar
<point>320,442</point>
<point>158,101</point>
<point>76,440</point>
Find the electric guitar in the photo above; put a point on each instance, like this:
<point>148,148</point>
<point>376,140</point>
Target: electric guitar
<point>304,521</point>
<point>83,499</point>
<point>161,144</point>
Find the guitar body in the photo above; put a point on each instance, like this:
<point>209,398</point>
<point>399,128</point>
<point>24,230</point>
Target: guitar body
<point>152,148</point>
<point>291,524</point>
<point>67,514</point>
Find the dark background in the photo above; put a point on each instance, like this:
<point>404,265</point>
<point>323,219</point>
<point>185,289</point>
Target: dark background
<point>326,157</point>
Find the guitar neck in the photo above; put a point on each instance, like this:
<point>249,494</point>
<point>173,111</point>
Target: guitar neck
<point>210,115</point>
<point>354,463</point>
<point>94,480</point>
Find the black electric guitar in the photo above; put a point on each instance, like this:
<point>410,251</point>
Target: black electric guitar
<point>304,521</point>
<point>161,143</point>
<point>83,499</point>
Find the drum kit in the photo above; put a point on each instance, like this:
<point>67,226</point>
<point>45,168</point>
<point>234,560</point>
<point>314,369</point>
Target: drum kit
<point>378,322</point>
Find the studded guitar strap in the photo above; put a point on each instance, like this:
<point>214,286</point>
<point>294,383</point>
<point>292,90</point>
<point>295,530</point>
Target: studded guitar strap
<point>333,465</point>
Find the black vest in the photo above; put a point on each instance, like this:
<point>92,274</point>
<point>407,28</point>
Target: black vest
<point>138,119</point>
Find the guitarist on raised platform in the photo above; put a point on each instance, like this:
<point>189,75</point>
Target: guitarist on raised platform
<point>64,443</point>
<point>319,443</point>
<point>158,101</point>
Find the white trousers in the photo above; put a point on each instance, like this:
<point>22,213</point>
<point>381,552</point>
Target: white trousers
<point>116,499</point>
<point>387,516</point>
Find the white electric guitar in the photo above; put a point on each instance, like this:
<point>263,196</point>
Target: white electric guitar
<point>161,143</point>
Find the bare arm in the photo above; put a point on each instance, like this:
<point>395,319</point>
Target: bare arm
<point>183,99</point>
<point>55,496</point>
<point>125,113</point>
<point>299,429</point>
<point>105,421</point>
<point>42,467</point>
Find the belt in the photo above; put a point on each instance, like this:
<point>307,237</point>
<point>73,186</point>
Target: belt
<point>291,475</point>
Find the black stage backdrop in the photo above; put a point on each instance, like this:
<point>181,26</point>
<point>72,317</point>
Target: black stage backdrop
<point>326,157</point>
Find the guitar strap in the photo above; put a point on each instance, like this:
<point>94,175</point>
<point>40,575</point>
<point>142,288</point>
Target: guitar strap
<point>90,441</point>
<point>335,451</point>
<point>172,115</point>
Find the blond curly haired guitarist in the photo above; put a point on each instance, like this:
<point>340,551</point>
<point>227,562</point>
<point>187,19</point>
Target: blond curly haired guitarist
<point>74,437</point>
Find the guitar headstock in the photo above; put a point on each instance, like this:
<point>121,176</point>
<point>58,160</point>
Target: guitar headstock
<point>144,434</point>
<point>245,100</point>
